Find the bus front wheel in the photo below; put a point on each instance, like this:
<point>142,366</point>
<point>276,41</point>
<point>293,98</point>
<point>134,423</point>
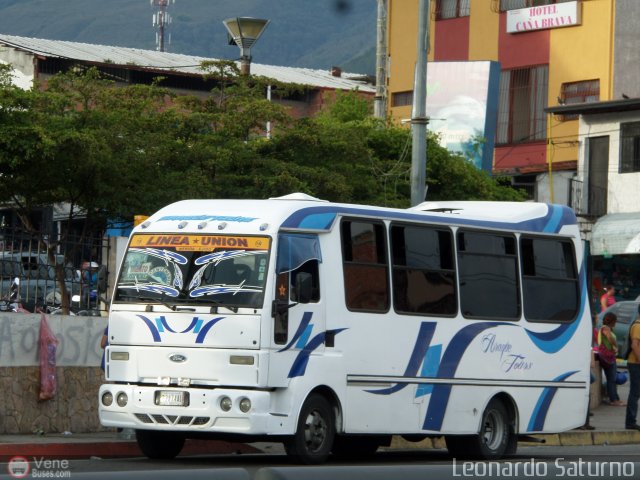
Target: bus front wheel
<point>493,440</point>
<point>315,432</point>
<point>159,445</point>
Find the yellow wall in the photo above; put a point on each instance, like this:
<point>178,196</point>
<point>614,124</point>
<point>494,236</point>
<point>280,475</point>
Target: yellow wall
<point>403,39</point>
<point>579,53</point>
<point>576,53</point>
<point>483,31</point>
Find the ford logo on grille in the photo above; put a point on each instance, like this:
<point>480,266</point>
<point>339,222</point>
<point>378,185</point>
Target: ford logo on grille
<point>178,358</point>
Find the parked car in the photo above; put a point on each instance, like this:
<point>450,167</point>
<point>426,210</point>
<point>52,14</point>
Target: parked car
<point>626,312</point>
<point>38,285</point>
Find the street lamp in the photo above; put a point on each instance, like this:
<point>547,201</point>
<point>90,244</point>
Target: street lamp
<point>244,32</point>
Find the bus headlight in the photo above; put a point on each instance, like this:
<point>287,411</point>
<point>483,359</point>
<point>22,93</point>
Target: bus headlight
<point>107,399</point>
<point>225,404</point>
<point>245,405</point>
<point>122,399</point>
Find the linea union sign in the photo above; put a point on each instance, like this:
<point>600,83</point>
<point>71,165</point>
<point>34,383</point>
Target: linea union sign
<point>556,15</point>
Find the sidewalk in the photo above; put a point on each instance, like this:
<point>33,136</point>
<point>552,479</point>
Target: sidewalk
<point>101,445</point>
<point>607,420</point>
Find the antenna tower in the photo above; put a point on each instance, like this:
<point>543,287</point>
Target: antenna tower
<point>161,20</point>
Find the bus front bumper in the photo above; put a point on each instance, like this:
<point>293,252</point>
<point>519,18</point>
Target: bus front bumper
<point>188,409</point>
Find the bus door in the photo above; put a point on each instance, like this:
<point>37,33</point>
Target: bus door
<point>297,311</point>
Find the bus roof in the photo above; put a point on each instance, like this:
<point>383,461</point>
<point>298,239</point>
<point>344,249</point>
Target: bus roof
<point>300,212</point>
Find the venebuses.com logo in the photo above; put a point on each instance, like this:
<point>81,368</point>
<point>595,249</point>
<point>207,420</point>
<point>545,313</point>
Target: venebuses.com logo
<point>18,467</point>
<point>21,467</point>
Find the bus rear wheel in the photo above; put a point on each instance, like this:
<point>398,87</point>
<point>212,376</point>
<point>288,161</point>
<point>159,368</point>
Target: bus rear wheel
<point>493,439</point>
<point>315,432</point>
<point>159,445</point>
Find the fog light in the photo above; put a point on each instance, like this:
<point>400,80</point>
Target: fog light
<point>225,404</point>
<point>241,360</point>
<point>245,405</point>
<point>107,399</point>
<point>122,399</point>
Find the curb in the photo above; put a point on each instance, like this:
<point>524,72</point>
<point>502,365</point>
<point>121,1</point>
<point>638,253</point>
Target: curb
<point>116,449</point>
<point>565,439</point>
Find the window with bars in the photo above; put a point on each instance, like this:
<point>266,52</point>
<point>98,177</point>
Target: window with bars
<point>523,97</point>
<point>516,4</point>
<point>579,92</point>
<point>452,9</point>
<point>402,99</point>
<point>630,147</point>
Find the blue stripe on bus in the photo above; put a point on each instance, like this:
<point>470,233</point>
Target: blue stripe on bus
<point>448,366</point>
<point>539,414</point>
<point>317,218</point>
<point>300,363</point>
<point>417,356</point>
<point>318,221</point>
<point>429,369</point>
<point>306,318</point>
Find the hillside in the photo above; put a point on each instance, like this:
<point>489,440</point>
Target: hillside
<point>303,33</point>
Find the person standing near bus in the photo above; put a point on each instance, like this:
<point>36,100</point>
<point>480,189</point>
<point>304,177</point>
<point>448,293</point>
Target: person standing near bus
<point>633,366</point>
<point>607,353</point>
<point>607,299</point>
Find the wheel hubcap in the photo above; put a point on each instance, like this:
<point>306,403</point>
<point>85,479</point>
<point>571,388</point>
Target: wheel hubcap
<point>315,431</point>
<point>493,430</point>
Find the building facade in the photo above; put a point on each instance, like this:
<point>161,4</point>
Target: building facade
<point>551,53</point>
<point>605,191</point>
<point>39,59</point>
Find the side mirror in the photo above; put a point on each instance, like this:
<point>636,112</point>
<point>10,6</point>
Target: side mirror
<point>303,287</point>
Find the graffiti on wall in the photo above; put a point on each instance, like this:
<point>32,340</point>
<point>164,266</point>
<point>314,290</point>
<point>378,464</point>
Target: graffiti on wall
<point>79,339</point>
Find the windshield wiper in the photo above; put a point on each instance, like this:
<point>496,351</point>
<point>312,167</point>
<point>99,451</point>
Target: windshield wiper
<point>142,298</point>
<point>215,304</point>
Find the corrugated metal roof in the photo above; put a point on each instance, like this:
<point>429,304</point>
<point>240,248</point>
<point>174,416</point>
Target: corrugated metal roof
<point>187,64</point>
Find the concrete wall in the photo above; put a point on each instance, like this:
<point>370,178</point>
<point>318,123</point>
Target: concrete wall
<point>74,407</point>
<point>626,65</point>
<point>561,187</point>
<point>622,188</point>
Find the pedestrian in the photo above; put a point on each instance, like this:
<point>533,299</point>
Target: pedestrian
<point>89,283</point>
<point>633,366</point>
<point>607,299</point>
<point>607,354</point>
<point>104,341</point>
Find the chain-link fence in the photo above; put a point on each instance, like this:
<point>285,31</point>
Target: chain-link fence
<point>44,267</point>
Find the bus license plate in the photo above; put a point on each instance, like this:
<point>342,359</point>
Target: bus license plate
<point>171,398</point>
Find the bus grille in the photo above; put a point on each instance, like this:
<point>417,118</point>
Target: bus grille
<point>172,419</point>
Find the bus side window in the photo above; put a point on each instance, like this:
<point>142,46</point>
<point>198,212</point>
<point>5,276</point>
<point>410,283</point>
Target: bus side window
<point>549,279</point>
<point>366,272</point>
<point>488,275</point>
<point>424,277</point>
<point>310,267</point>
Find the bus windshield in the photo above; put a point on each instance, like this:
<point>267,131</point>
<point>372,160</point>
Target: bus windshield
<point>224,270</point>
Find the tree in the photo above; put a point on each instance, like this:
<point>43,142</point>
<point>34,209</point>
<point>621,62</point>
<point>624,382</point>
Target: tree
<point>345,155</point>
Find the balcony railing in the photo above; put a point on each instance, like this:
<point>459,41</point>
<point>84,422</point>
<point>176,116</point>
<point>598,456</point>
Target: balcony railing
<point>588,201</point>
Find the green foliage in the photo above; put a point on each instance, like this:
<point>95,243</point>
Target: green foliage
<point>348,107</point>
<point>113,151</point>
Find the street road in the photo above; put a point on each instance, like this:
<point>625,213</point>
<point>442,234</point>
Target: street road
<point>617,461</point>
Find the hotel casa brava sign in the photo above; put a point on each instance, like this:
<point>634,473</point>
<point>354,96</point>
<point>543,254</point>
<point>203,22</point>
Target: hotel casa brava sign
<point>543,17</point>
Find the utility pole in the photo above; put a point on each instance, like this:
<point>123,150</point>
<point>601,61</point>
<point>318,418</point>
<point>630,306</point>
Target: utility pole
<point>161,19</point>
<point>419,119</point>
<point>380,100</point>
